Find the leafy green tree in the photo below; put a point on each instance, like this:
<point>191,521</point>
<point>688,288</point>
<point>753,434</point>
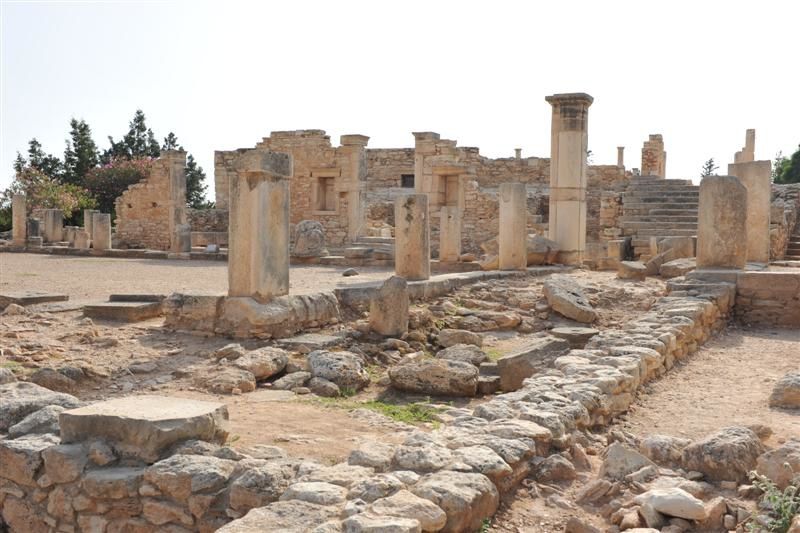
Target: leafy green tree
<point>790,171</point>
<point>48,164</point>
<point>708,168</point>
<point>138,142</point>
<point>171,143</point>
<point>778,166</point>
<point>80,155</point>
<point>46,192</point>
<point>195,186</point>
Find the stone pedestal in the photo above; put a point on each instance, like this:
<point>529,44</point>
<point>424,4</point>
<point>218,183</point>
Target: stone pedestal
<point>69,234</point>
<point>388,308</point>
<point>450,235</point>
<point>87,220</point>
<point>654,158</point>
<point>19,225</point>
<point>568,145</point>
<point>512,241</point>
<point>353,161</point>
<point>258,248</point>
<point>412,237</point>
<point>101,231</point>
<point>82,240</point>
<point>182,240</point>
<point>34,226</point>
<point>53,225</point>
<point>620,156</point>
<point>756,178</point>
<point>721,223</point>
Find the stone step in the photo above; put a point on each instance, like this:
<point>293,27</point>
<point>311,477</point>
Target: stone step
<point>635,227</point>
<point>655,211</point>
<point>660,205</point>
<point>374,240</point>
<point>666,232</point>
<point>658,218</point>
<point>659,194</point>
<point>654,179</point>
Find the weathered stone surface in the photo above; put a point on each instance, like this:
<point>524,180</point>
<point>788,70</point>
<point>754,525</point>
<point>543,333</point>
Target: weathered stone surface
<point>372,523</point>
<point>342,474</point>
<point>343,368</point>
<point>786,392</point>
<point>180,476</point>
<point>161,513</point>
<point>22,516</point>
<point>727,455</point>
<point>673,502</point>
<point>567,299</point>
<point>123,311</point>
<point>261,483</point>
<point>19,399</point>
<point>427,457</point>
<point>575,336</point>
<point>635,270</point>
<point>555,468</point>
<point>291,381</point>
<point>450,337</point>
<point>406,504</point>
<point>465,498</point>
<point>782,464</point>
<point>44,420</point>
<point>466,353</point>
<point>663,449</point>
<point>677,267</point>
<point>377,455</point>
<point>436,376</point>
<point>7,376</point>
<point>64,463</point>
<point>527,361</point>
<point>264,362</point>
<point>484,460</point>
<point>22,457</point>
<point>721,223</point>
<point>375,487</point>
<point>315,492</point>
<point>49,378</point>
<point>388,308</point>
<point>227,380</point>
<point>323,387</point>
<point>145,426</point>
<point>309,239</point>
<point>113,483</point>
<point>619,461</point>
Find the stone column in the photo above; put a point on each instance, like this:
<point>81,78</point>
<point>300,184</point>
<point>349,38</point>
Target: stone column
<point>756,176</point>
<point>53,225</point>
<point>82,241</point>
<point>258,227</point>
<point>87,220</point>
<point>176,203</point>
<point>517,153</point>
<point>101,231</point>
<point>620,156</point>
<point>568,145</point>
<point>654,158</point>
<point>424,145</point>
<point>412,249</point>
<point>69,234</point>
<point>353,161</point>
<point>721,223</point>
<point>512,241</point>
<point>450,234</point>
<point>748,153</point>
<point>19,220</point>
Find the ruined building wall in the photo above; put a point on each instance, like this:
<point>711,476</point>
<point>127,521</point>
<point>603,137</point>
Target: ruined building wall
<point>654,158</point>
<point>147,211</point>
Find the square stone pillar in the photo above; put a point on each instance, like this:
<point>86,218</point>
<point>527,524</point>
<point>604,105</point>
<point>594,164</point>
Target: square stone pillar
<point>82,240</point>
<point>568,144</point>
<point>352,156</point>
<point>53,225</point>
<point>512,241</point>
<point>87,220</point>
<point>412,248</point>
<point>19,220</point>
<point>654,158</point>
<point>721,223</point>
<point>450,234</point>
<point>620,156</point>
<point>69,234</point>
<point>101,231</point>
<point>176,203</point>
<point>756,176</point>
<point>258,226</point>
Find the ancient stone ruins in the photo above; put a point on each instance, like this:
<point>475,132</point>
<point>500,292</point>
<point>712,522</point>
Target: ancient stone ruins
<point>407,340</point>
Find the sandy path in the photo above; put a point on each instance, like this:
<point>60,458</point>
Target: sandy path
<point>94,278</point>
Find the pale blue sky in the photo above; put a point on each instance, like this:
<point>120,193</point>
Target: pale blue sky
<point>223,74</point>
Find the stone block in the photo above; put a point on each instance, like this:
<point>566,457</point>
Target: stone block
<point>527,361</point>
<point>123,311</point>
<point>388,310</point>
<point>25,298</point>
<point>721,227</point>
<point>144,427</point>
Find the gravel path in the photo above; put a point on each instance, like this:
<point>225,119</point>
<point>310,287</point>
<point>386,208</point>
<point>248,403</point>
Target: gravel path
<point>95,278</point>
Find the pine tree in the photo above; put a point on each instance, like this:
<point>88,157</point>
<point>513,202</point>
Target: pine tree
<point>47,164</point>
<point>790,173</point>
<point>138,142</point>
<point>20,163</point>
<point>708,168</point>
<point>195,186</point>
<point>171,143</point>
<point>80,155</point>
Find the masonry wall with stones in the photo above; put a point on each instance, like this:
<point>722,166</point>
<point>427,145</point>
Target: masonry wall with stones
<point>768,299</point>
<point>208,219</point>
<point>783,217</point>
<point>145,211</point>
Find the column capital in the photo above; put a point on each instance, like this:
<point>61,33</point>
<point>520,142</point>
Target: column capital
<point>353,140</point>
<point>570,99</point>
<point>425,135</point>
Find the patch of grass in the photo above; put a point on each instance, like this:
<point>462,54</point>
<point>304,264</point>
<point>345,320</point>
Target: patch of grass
<point>410,413</point>
<point>782,506</point>
<point>375,372</point>
<point>11,365</point>
<point>493,353</point>
<point>347,392</point>
<point>485,526</point>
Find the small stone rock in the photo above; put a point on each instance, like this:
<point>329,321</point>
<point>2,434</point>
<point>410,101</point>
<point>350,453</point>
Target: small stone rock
<point>450,337</point>
<point>323,387</point>
<point>350,272</point>
<point>786,392</point>
<point>674,502</point>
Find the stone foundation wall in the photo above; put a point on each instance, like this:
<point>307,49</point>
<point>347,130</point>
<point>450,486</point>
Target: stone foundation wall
<point>783,217</point>
<point>208,219</point>
<point>768,299</point>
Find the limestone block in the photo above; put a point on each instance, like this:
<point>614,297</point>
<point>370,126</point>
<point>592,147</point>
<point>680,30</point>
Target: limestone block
<point>721,228</point>
<point>513,220</point>
<point>756,176</point>
<point>525,362</point>
<point>19,216</point>
<point>412,237</point>
<point>19,399</point>
<point>436,377</point>
<point>21,458</point>
<point>635,270</point>
<point>145,426</point>
<point>450,234</point>
<point>388,310</point>
<point>82,239</point>
<point>53,225</point>
<point>101,231</point>
<point>309,239</point>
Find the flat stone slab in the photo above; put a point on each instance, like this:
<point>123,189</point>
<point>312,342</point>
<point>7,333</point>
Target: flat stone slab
<point>144,427</point>
<point>136,297</point>
<point>576,337</point>
<point>123,311</point>
<point>24,298</point>
<point>312,341</point>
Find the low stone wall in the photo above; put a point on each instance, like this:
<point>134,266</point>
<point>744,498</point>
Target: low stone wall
<point>208,220</point>
<point>768,298</point>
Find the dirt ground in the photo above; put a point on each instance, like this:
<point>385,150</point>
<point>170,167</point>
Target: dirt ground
<point>87,279</point>
<point>727,382</point>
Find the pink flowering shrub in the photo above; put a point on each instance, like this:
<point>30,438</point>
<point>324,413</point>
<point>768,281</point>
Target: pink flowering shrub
<point>106,183</point>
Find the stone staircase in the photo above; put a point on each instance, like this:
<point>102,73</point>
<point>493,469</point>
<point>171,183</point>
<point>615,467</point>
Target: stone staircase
<point>793,249</point>
<point>657,207</point>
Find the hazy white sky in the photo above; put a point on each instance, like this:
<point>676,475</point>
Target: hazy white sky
<point>223,74</point>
